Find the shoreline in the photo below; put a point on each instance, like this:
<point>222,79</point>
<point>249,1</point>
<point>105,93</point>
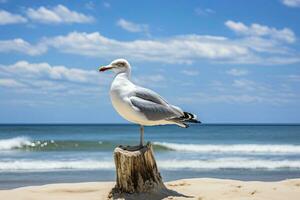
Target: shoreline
<point>13,180</point>
<point>196,188</point>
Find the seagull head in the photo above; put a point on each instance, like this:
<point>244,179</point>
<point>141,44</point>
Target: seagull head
<point>118,66</point>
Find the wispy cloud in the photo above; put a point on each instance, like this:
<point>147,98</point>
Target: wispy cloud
<point>10,18</point>
<point>56,15</point>
<point>291,3</point>
<point>133,27</point>
<point>259,30</point>
<point>250,85</point>
<point>204,11</point>
<point>150,79</point>
<point>90,5</point>
<point>245,98</point>
<point>21,46</point>
<point>242,91</point>
<point>237,72</point>
<point>11,83</point>
<point>294,77</point>
<point>190,72</point>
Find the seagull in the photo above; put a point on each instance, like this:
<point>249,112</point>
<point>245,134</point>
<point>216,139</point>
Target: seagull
<point>141,105</point>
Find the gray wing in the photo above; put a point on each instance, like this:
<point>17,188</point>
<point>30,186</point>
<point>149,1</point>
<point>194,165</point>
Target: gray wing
<point>149,95</point>
<point>153,106</point>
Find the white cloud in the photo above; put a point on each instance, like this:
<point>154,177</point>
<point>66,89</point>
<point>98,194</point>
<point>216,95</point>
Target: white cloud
<point>9,18</point>
<point>291,3</point>
<point>46,71</point>
<point>51,81</point>
<point>190,72</point>
<point>21,46</point>
<point>247,49</point>
<point>132,27</point>
<point>178,49</point>
<point>257,30</point>
<point>236,26</point>
<point>181,49</point>
<point>8,82</point>
<point>56,15</point>
<point>237,72</point>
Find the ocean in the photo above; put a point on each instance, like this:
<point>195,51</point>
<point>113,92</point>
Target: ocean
<point>42,154</point>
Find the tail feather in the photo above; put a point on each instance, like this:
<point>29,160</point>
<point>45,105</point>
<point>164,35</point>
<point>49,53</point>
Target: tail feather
<point>186,118</point>
<point>189,117</point>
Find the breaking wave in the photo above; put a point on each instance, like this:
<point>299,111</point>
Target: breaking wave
<point>14,143</point>
<point>224,163</point>
<point>26,144</point>
<point>232,148</point>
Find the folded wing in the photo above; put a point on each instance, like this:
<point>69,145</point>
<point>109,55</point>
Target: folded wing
<point>155,108</point>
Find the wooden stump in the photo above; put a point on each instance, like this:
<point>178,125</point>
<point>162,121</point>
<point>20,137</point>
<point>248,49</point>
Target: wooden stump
<point>136,170</point>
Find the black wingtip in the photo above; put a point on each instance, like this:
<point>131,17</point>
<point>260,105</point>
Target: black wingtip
<point>193,121</point>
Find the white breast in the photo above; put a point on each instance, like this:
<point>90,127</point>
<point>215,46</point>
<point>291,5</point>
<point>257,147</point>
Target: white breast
<point>120,89</point>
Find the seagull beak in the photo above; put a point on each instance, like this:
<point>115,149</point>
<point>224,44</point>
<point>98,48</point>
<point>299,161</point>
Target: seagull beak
<point>104,68</point>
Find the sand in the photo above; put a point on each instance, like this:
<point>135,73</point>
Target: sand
<point>200,189</point>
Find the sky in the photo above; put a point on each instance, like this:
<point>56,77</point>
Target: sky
<point>225,61</point>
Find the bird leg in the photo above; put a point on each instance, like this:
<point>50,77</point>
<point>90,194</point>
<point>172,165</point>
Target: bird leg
<point>141,135</point>
<point>138,147</point>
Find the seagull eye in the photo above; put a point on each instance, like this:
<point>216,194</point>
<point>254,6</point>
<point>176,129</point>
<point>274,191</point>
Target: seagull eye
<point>121,64</point>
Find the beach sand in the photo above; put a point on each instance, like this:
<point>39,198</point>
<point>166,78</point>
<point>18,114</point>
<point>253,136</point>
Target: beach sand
<point>200,189</point>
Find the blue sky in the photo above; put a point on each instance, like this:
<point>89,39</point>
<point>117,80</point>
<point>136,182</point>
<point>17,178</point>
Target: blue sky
<point>226,61</point>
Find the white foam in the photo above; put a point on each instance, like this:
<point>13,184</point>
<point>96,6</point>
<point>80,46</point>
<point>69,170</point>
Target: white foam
<point>224,163</point>
<point>13,143</point>
<point>45,165</point>
<point>238,148</point>
<point>229,163</point>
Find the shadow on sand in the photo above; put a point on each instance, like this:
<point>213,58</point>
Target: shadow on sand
<point>155,195</point>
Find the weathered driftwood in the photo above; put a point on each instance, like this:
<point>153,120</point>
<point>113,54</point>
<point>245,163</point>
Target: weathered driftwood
<point>136,170</point>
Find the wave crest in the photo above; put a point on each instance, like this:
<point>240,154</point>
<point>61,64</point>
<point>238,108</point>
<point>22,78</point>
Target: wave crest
<point>232,148</point>
<point>224,163</point>
<point>14,143</point>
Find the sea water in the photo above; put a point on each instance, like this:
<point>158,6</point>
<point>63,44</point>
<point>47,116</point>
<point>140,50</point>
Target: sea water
<point>41,154</point>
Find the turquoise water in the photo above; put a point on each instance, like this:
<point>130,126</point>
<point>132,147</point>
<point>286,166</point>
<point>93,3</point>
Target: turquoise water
<point>39,154</point>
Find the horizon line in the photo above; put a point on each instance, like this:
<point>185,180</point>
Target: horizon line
<point>219,123</point>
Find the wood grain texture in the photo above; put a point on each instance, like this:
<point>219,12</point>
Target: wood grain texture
<point>136,170</point>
